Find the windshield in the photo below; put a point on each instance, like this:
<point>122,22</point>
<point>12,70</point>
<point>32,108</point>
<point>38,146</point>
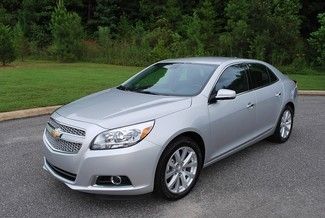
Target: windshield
<point>179,79</point>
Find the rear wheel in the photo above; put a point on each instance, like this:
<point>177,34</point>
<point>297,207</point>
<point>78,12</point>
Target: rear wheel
<point>178,168</point>
<point>284,126</point>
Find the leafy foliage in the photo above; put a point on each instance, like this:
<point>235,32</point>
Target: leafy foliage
<point>34,18</point>
<point>140,32</point>
<point>317,41</point>
<point>106,14</point>
<point>7,51</point>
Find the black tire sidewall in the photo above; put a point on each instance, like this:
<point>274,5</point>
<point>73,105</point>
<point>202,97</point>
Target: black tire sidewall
<point>160,185</point>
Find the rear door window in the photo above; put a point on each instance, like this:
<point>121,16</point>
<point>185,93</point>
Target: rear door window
<point>259,75</point>
<point>273,77</point>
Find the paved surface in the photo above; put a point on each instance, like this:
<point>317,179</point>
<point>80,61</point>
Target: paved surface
<point>268,180</point>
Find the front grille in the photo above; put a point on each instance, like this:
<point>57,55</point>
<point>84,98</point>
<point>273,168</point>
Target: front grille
<point>69,176</point>
<point>62,145</point>
<point>67,129</point>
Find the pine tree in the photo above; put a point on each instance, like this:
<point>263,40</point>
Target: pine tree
<point>21,43</point>
<point>67,33</point>
<point>106,14</point>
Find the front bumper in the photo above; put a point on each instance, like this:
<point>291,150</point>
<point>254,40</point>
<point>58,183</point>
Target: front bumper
<point>138,163</point>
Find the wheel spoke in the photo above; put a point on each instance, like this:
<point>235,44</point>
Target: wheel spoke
<point>287,127</point>
<point>191,164</point>
<point>286,133</point>
<point>282,132</point>
<point>184,152</point>
<point>171,173</point>
<point>177,183</point>
<point>177,156</point>
<point>184,182</point>
<point>172,181</point>
<point>189,174</point>
<point>188,158</point>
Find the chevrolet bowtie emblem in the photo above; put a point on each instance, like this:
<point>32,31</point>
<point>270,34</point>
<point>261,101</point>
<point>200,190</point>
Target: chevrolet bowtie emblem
<point>56,133</point>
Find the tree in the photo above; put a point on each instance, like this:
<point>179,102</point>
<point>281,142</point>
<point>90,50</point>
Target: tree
<point>106,14</point>
<point>34,17</point>
<point>317,41</point>
<point>200,29</point>
<point>67,34</point>
<point>21,43</point>
<point>268,30</point>
<point>7,51</point>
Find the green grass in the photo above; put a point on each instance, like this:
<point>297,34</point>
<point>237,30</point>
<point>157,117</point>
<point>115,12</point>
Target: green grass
<point>42,83</point>
<point>309,82</point>
<point>308,78</point>
<point>37,84</point>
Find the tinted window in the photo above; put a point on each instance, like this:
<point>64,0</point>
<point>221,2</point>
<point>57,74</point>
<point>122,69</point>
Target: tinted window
<point>273,77</point>
<point>259,75</point>
<point>171,79</point>
<point>234,78</point>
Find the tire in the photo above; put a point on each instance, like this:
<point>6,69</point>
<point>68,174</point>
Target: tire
<point>278,135</point>
<point>169,166</point>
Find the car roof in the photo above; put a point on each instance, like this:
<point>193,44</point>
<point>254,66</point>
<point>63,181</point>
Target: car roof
<point>200,60</point>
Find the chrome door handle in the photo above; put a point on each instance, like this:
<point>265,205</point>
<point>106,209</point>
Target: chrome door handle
<point>250,105</point>
<point>278,94</point>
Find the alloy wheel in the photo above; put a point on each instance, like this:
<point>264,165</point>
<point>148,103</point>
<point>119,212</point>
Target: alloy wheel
<point>286,124</point>
<point>181,170</point>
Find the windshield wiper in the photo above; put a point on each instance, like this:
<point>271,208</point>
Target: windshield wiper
<point>146,92</point>
<point>124,88</point>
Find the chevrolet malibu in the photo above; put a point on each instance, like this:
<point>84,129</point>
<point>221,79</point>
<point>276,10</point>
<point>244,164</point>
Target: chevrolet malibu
<point>156,131</point>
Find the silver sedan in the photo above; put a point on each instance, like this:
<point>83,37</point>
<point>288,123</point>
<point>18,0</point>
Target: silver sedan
<point>156,131</point>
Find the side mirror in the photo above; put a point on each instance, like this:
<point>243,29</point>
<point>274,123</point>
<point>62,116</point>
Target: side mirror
<point>225,94</point>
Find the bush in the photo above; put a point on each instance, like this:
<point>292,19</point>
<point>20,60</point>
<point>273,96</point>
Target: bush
<point>67,34</point>
<point>92,52</point>
<point>7,50</point>
<point>317,41</point>
<point>104,41</point>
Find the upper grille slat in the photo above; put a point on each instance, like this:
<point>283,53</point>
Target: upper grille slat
<point>64,144</point>
<point>67,129</point>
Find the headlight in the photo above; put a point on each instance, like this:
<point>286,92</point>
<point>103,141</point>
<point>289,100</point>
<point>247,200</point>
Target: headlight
<point>122,137</point>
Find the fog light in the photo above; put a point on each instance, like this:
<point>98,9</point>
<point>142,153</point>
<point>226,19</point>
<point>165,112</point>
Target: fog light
<point>116,180</point>
<point>113,180</point>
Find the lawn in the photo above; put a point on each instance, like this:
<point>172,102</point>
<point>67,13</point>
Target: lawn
<point>309,82</point>
<point>38,83</point>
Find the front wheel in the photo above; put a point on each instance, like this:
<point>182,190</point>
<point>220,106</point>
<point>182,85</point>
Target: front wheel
<point>284,126</point>
<point>178,169</point>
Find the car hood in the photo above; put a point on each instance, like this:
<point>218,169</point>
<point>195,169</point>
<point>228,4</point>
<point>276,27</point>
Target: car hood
<point>114,108</point>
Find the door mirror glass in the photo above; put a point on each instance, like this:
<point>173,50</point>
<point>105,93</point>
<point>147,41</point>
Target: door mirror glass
<point>225,94</point>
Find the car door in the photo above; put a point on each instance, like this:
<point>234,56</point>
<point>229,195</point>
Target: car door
<point>268,92</point>
<point>232,122</point>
